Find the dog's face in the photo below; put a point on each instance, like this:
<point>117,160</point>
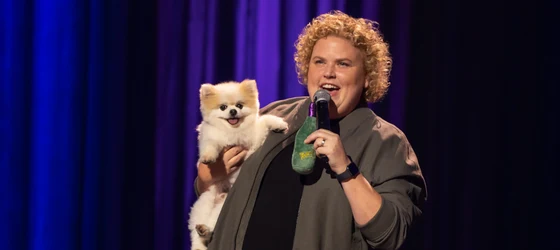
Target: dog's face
<point>229,104</point>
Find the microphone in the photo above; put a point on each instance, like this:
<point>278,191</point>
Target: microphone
<point>303,156</point>
<point>322,99</point>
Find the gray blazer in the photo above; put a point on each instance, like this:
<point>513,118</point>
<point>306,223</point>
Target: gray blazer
<point>325,221</point>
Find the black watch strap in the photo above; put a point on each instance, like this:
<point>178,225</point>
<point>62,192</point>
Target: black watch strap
<point>351,171</point>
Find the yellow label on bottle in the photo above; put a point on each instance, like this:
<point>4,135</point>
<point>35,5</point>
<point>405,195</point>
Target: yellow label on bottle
<point>306,154</point>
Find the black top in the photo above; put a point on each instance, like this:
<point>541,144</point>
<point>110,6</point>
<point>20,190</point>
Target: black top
<point>273,220</point>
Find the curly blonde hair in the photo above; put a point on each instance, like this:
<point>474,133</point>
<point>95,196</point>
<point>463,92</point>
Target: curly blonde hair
<point>364,35</point>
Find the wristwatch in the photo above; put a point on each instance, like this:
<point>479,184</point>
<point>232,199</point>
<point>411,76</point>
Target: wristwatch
<point>351,171</point>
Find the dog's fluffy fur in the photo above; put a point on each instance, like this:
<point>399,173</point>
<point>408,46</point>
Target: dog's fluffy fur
<point>230,116</point>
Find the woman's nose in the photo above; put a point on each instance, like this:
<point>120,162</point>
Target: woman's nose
<point>329,73</point>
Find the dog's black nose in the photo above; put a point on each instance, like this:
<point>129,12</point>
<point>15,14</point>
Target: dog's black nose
<point>233,112</point>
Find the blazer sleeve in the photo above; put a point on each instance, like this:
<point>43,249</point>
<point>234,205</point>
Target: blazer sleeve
<point>393,171</point>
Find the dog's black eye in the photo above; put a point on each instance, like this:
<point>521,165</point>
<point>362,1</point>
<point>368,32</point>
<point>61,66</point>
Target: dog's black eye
<point>239,106</point>
<point>223,107</point>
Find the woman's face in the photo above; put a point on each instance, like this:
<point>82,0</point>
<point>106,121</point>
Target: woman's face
<point>338,67</point>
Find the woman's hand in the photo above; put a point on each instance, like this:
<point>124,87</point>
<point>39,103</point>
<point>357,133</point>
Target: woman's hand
<point>329,144</point>
<point>229,160</point>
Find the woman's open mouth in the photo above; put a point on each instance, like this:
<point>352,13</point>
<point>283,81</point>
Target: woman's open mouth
<point>331,88</point>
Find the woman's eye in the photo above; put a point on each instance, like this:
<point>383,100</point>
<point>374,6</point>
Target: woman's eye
<point>318,61</point>
<point>223,107</point>
<point>239,106</point>
<point>344,64</point>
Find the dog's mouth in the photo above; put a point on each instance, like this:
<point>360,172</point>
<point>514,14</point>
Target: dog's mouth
<point>233,121</point>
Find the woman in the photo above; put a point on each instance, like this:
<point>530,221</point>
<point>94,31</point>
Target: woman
<point>370,191</point>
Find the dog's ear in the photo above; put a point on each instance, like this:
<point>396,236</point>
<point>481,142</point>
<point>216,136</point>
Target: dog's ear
<point>207,90</point>
<point>249,85</point>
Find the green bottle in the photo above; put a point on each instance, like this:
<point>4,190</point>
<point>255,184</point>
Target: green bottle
<point>303,156</point>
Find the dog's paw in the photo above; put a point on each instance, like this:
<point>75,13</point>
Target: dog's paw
<point>274,123</point>
<point>280,130</point>
<point>202,230</point>
<point>208,158</point>
<point>220,198</point>
<point>208,154</point>
<point>280,127</point>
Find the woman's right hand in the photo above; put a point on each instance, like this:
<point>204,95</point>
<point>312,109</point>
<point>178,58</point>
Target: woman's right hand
<point>229,160</point>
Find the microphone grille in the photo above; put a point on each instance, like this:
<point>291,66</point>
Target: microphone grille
<point>321,95</point>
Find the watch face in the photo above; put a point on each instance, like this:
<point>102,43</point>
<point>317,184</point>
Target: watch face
<point>353,169</point>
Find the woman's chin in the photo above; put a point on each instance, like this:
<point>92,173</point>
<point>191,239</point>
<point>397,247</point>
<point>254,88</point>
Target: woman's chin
<point>334,112</point>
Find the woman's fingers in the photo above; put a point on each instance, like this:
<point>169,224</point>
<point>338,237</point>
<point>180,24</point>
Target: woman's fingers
<point>236,160</point>
<point>231,152</point>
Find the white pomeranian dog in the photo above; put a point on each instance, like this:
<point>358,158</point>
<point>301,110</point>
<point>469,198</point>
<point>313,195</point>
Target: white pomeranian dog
<point>230,116</point>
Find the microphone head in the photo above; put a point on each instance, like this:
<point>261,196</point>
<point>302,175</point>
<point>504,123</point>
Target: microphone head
<point>322,95</point>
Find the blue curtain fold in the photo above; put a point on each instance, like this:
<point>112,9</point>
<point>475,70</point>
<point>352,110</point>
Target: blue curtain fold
<point>63,81</point>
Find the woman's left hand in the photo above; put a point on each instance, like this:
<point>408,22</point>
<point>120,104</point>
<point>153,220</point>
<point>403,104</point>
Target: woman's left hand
<point>329,144</point>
